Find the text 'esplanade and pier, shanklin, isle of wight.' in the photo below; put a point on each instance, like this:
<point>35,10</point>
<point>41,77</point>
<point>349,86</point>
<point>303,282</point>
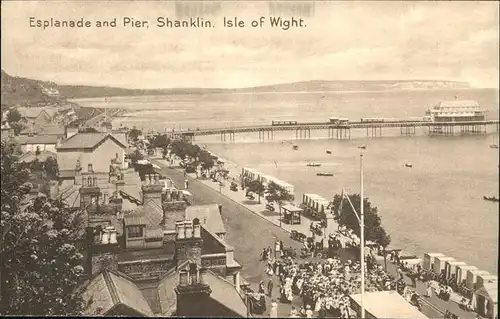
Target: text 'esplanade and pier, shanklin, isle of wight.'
<point>284,23</point>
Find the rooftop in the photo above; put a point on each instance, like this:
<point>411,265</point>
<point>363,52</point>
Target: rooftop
<point>208,215</point>
<point>458,103</point>
<point>39,139</point>
<point>376,304</point>
<point>88,141</point>
<point>31,157</point>
<point>109,289</point>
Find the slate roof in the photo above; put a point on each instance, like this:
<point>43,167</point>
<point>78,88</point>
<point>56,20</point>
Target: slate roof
<point>225,293</point>
<point>40,139</point>
<point>109,289</point>
<point>31,156</point>
<point>87,140</point>
<point>46,129</point>
<point>208,215</point>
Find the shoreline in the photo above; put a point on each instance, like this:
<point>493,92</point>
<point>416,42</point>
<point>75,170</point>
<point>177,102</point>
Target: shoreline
<point>231,165</point>
<point>453,304</point>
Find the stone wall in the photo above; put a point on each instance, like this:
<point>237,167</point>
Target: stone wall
<point>146,269</point>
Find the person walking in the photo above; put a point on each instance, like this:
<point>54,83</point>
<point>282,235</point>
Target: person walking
<point>274,309</point>
<point>428,292</point>
<point>261,287</point>
<point>270,286</point>
<point>276,249</point>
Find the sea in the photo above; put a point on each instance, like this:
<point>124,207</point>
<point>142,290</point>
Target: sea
<point>436,205</point>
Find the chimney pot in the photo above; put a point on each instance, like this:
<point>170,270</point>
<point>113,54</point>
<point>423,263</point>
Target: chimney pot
<point>202,276</point>
<point>183,278</point>
<point>180,230</point>
<point>188,226</point>
<point>197,231</point>
<point>146,179</point>
<point>157,178</point>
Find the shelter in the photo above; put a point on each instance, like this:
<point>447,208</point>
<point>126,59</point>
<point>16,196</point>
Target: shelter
<point>485,300</point>
<point>376,306</point>
<point>291,214</point>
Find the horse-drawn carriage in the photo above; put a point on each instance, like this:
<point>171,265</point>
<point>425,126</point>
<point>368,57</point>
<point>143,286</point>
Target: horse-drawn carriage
<point>298,236</point>
<point>289,252</point>
<point>316,228</point>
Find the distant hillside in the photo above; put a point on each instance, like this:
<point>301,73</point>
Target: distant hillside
<point>81,91</point>
<point>329,86</point>
<point>17,90</point>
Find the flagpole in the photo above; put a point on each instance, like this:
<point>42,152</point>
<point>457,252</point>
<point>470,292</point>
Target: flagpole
<point>362,226</point>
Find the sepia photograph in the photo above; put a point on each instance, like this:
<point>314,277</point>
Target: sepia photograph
<point>250,158</point>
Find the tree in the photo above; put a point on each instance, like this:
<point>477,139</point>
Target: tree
<point>279,194</point>
<point>373,223</point>
<point>135,156</point>
<point>256,186</point>
<point>160,141</point>
<point>134,133</point>
<point>14,116</point>
<point>51,168</point>
<point>42,270</point>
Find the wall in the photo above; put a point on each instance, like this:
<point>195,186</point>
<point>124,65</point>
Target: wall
<point>104,260</point>
<point>146,269</point>
<point>100,158</point>
<point>188,249</point>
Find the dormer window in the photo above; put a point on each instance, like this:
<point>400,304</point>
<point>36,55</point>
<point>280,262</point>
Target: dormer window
<point>90,168</point>
<point>135,231</point>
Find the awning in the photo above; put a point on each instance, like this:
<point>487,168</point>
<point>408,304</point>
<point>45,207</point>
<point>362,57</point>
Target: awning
<point>187,193</point>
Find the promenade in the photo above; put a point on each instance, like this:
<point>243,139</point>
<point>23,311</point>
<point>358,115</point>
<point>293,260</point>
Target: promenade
<point>250,228</point>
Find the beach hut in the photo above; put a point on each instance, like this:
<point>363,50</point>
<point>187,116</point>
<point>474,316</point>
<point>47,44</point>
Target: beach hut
<point>485,300</point>
<point>481,280</point>
<point>450,267</point>
<point>440,262</point>
<point>472,277</point>
<point>461,272</point>
<point>429,260</point>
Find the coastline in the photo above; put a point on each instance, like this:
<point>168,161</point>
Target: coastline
<point>437,305</point>
<point>235,171</point>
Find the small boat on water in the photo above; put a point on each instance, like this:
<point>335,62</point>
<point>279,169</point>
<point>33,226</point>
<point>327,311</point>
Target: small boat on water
<point>494,146</point>
<point>491,199</point>
<point>408,165</point>
<point>324,174</point>
<point>295,147</point>
<point>314,164</point>
<point>328,152</point>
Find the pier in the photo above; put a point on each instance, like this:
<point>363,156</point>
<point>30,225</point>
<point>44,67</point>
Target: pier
<point>343,131</point>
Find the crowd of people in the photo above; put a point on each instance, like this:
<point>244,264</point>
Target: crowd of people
<point>325,286</point>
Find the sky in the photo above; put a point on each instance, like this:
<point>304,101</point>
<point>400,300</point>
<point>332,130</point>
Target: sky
<point>456,41</point>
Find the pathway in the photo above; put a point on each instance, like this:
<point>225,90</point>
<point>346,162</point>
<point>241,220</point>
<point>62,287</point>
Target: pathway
<point>250,233</point>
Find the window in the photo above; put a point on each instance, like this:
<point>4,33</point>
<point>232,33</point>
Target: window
<point>135,231</point>
<point>90,169</point>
